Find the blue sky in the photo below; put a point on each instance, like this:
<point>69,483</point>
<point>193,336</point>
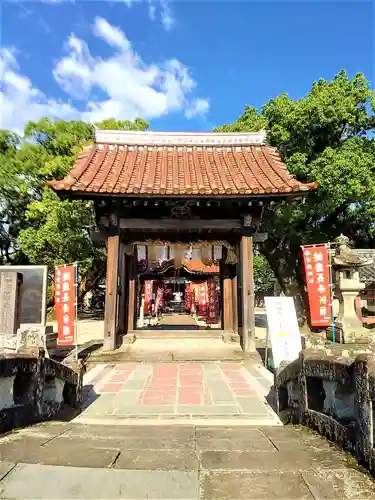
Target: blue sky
<point>186,65</point>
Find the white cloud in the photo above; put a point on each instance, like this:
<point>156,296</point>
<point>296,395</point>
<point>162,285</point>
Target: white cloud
<point>166,15</point>
<point>111,34</point>
<point>130,87</point>
<point>197,107</point>
<point>21,102</point>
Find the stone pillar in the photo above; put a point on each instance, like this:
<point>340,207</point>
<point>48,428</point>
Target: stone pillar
<point>247,324</point>
<point>10,301</point>
<point>111,298</point>
<point>349,325</point>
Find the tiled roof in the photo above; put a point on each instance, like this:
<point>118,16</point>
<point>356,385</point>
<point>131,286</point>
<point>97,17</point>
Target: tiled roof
<point>155,163</point>
<point>367,273</point>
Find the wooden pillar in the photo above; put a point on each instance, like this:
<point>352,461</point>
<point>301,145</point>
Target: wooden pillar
<point>247,295</point>
<point>111,297</point>
<point>122,291</point>
<point>226,297</point>
<point>235,304</point>
<point>131,292</point>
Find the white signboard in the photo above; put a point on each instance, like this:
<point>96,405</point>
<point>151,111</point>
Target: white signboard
<point>283,329</point>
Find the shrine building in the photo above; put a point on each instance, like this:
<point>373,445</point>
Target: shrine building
<point>180,213</point>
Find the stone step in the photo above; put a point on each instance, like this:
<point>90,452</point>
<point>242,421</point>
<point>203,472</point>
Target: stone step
<point>179,334</point>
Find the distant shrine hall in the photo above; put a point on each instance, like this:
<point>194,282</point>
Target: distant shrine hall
<point>180,213</point>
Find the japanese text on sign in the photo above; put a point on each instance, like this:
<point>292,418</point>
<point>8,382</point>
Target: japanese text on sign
<point>318,284</point>
<point>65,302</point>
<point>283,329</point>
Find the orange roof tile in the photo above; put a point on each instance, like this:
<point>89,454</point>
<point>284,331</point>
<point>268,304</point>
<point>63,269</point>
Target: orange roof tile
<point>157,164</point>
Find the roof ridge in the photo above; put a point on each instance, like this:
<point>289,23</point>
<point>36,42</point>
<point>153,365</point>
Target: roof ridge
<point>150,138</point>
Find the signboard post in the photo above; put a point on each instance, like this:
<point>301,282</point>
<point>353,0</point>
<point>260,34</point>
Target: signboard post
<point>283,329</point>
<point>66,302</point>
<point>318,281</point>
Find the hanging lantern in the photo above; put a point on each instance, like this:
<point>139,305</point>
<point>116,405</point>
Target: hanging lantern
<point>152,256</point>
<point>206,255</point>
<point>179,253</point>
<point>231,255</point>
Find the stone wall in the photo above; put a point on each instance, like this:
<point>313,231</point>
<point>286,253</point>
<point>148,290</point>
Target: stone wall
<point>334,394</point>
<point>34,388</point>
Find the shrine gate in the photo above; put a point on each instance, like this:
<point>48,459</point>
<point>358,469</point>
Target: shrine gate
<point>183,191</point>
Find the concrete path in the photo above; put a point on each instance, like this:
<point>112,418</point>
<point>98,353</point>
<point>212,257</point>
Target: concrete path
<point>178,392</point>
<point>67,461</point>
<point>180,321</point>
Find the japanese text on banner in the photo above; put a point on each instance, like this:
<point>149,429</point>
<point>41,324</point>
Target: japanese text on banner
<point>318,284</point>
<point>65,302</point>
<point>212,302</point>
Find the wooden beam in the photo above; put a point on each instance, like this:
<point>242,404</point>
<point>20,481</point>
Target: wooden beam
<point>175,224</point>
<point>111,297</point>
<point>260,237</point>
<point>247,295</point>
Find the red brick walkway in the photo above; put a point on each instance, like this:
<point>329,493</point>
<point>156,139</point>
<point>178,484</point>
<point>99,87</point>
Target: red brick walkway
<point>178,389</point>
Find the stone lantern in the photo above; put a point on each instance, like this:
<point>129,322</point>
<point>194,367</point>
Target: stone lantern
<point>346,263</point>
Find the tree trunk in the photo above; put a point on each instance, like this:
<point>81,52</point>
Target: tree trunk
<point>285,263</point>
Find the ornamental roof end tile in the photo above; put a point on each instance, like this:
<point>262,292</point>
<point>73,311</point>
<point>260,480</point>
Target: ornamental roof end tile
<point>180,164</point>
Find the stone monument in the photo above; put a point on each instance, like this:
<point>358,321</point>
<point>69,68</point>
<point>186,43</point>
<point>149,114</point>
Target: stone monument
<point>10,308</point>
<point>346,263</point>
<point>27,313</point>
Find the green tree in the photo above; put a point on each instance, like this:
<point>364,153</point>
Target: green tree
<point>38,225</point>
<point>324,137</point>
<point>264,278</point>
<point>13,198</point>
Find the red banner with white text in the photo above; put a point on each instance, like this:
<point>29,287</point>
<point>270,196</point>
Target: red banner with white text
<point>318,283</point>
<point>212,302</point>
<point>148,297</point>
<point>202,298</point>
<point>65,304</point>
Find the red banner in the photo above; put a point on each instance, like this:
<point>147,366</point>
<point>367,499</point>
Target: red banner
<point>212,302</point>
<point>188,297</point>
<point>159,299</point>
<point>148,297</point>
<point>202,299</point>
<point>318,284</point>
<point>65,302</point>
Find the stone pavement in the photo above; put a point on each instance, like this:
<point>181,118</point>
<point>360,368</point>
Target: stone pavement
<point>176,431</point>
<point>77,461</point>
<point>182,392</point>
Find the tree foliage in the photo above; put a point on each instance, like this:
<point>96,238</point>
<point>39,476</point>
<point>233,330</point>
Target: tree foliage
<point>264,278</point>
<point>327,137</point>
<point>35,225</point>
